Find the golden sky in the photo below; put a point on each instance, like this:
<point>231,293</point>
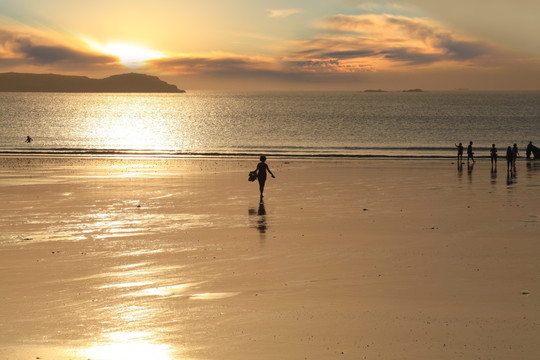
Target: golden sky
<point>285,45</point>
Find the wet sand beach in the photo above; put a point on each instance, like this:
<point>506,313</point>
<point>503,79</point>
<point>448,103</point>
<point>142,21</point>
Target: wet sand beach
<point>170,259</point>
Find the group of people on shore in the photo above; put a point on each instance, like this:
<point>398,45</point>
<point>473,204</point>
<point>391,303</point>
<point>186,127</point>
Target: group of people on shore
<point>512,153</point>
<point>470,153</point>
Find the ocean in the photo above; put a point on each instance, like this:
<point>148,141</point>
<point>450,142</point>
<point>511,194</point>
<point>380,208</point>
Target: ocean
<point>278,124</point>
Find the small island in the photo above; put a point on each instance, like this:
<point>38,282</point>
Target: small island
<point>375,91</point>
<point>123,83</point>
<point>384,91</point>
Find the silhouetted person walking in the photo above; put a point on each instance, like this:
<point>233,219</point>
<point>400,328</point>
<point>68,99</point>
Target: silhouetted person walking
<point>261,170</point>
<point>493,154</point>
<point>29,139</point>
<point>509,158</point>
<point>459,153</point>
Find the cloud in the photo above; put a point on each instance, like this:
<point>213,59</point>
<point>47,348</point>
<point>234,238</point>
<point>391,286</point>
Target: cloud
<point>513,24</point>
<point>411,57</point>
<point>350,44</point>
<point>41,55</point>
<point>349,54</point>
<point>213,63</point>
<point>254,72</point>
<point>383,41</point>
<point>31,50</point>
<point>281,13</point>
<point>226,71</point>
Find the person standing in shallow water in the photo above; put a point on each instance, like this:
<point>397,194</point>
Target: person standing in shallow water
<point>493,153</point>
<point>509,159</point>
<point>261,170</point>
<point>515,152</point>
<point>470,153</point>
<point>459,153</point>
<point>529,150</point>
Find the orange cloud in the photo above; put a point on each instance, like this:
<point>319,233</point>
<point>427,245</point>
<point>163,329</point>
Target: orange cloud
<point>350,48</point>
<point>378,42</point>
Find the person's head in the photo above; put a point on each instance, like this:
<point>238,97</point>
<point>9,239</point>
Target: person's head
<point>492,145</point>
<point>460,144</point>
<point>262,158</point>
<point>470,143</point>
<point>515,145</point>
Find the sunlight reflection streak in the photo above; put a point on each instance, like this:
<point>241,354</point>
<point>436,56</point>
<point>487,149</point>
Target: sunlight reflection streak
<point>129,346</point>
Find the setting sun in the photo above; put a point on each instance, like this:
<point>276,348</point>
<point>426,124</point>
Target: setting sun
<point>131,56</point>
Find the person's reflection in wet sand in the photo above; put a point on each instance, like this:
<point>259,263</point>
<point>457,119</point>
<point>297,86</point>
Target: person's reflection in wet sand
<point>532,166</point>
<point>460,171</point>
<point>470,168</point>
<point>261,224</point>
<point>509,178</point>
<point>494,175</point>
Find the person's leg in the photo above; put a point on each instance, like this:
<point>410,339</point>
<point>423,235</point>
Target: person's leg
<point>261,186</point>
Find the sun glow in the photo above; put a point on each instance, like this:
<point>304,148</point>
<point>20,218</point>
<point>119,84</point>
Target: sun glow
<point>131,56</point>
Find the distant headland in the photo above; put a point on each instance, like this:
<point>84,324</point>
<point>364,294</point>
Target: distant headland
<point>123,83</point>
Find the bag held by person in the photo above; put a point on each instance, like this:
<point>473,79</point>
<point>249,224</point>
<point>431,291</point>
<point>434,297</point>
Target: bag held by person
<point>252,176</point>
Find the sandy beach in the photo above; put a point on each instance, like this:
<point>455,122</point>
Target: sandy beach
<point>170,259</point>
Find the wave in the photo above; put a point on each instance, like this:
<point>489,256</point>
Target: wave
<point>245,151</point>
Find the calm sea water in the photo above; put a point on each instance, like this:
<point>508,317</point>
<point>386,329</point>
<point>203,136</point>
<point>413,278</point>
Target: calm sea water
<point>391,124</point>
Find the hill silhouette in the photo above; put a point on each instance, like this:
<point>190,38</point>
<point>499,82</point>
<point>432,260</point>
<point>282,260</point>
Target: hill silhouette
<point>124,83</point>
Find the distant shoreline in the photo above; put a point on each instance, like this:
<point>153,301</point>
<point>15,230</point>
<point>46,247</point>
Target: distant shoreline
<point>50,83</point>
